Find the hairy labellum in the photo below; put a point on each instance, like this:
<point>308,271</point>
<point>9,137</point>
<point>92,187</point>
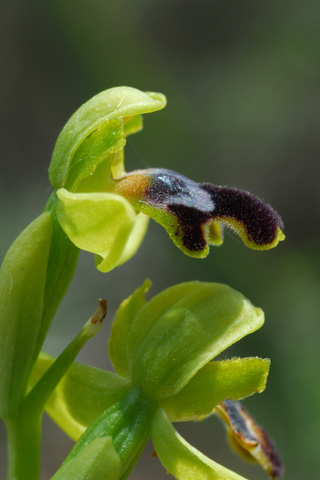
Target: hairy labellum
<point>193,212</point>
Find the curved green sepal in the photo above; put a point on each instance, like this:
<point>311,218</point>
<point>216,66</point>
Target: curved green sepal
<point>234,379</point>
<point>182,460</point>
<point>119,102</point>
<point>81,396</point>
<point>102,223</point>
<point>22,288</point>
<point>121,329</point>
<point>97,461</point>
<point>183,328</point>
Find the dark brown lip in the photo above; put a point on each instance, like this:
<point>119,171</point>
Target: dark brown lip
<point>194,204</point>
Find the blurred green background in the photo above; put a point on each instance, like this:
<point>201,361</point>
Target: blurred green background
<point>242,82</point>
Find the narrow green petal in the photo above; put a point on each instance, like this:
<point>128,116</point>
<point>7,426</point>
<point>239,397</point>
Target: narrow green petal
<point>183,328</point>
<point>119,102</point>
<point>102,223</point>
<point>233,379</point>
<point>97,461</point>
<point>22,289</point>
<point>81,396</point>
<point>182,460</point>
<point>121,329</point>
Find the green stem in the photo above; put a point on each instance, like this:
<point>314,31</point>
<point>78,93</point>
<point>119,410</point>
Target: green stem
<point>24,435</point>
<point>24,429</point>
<point>38,396</point>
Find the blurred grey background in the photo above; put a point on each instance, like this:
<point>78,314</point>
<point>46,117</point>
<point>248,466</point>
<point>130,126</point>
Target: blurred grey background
<point>242,82</point>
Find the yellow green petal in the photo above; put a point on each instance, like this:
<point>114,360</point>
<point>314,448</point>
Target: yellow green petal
<point>103,223</point>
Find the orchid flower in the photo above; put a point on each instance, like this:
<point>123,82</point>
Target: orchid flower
<point>162,353</point>
<point>105,210</point>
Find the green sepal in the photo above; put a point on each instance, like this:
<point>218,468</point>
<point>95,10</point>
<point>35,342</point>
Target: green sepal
<point>81,396</point>
<point>128,422</point>
<point>97,461</point>
<point>183,328</point>
<point>119,102</point>
<point>182,460</point>
<point>22,289</point>
<point>121,329</point>
<point>102,223</point>
<point>234,379</point>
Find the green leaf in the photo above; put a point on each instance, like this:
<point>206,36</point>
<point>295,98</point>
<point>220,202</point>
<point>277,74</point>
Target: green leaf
<point>22,287</point>
<point>233,379</point>
<point>121,329</point>
<point>102,223</point>
<point>97,461</point>
<point>81,396</point>
<point>182,460</point>
<point>183,328</point>
<point>63,259</point>
<point>119,102</point>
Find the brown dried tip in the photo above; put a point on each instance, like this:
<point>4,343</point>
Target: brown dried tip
<point>100,313</point>
<point>249,439</point>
